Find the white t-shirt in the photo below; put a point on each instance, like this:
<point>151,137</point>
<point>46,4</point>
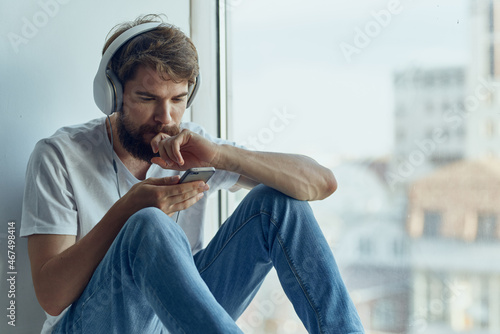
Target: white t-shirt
<point>71,184</point>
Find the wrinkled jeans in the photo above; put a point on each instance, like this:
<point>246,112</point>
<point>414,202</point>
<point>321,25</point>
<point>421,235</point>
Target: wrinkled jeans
<point>149,281</point>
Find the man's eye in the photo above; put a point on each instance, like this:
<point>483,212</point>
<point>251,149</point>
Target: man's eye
<point>144,98</point>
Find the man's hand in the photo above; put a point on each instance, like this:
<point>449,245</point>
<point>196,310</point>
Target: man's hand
<point>183,151</point>
<point>165,194</point>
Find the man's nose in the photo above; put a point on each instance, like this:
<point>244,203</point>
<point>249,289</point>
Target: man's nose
<point>163,113</point>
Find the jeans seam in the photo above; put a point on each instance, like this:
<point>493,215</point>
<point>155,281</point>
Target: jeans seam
<point>84,303</point>
<point>166,311</point>
<point>201,270</point>
<point>296,274</point>
<point>133,265</point>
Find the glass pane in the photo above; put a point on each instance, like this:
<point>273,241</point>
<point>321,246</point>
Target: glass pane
<point>432,224</point>
<point>400,100</point>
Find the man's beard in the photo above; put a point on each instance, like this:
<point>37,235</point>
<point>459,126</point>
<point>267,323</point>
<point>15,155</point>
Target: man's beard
<point>132,139</point>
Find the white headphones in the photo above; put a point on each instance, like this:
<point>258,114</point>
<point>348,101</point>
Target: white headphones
<point>108,90</point>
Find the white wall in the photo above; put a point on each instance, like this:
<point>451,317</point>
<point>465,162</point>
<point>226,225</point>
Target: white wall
<point>46,82</point>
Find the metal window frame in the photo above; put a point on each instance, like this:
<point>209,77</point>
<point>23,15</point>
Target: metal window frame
<point>208,32</point>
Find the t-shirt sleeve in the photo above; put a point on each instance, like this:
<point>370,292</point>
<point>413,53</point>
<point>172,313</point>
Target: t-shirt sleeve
<point>48,204</point>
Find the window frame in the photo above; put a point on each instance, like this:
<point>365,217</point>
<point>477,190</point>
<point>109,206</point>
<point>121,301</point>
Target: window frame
<point>208,33</point>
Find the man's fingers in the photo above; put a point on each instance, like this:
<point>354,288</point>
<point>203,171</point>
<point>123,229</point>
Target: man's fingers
<point>165,155</point>
<point>182,196</point>
<point>177,152</point>
<point>164,181</point>
<point>185,191</point>
<point>168,148</point>
<point>169,195</point>
<point>172,148</point>
<point>187,202</point>
<point>160,162</point>
<point>155,142</point>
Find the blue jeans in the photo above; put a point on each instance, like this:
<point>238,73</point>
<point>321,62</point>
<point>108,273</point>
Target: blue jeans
<point>149,281</point>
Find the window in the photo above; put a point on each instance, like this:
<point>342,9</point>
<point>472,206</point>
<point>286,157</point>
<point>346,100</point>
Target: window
<point>486,227</point>
<point>432,224</point>
<point>401,135</point>
<point>484,304</point>
<point>399,248</point>
<point>429,81</point>
<point>446,106</point>
<point>460,131</point>
<point>401,110</point>
<point>384,312</point>
<point>429,106</point>
<point>437,307</point>
<point>445,79</point>
<point>365,246</point>
<point>491,17</point>
<point>489,128</point>
<point>308,78</point>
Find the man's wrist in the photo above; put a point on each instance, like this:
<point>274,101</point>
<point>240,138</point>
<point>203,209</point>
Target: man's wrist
<point>227,158</point>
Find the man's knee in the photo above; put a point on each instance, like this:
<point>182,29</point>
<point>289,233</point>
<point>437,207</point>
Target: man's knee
<point>145,219</point>
<point>148,215</point>
<point>264,193</point>
<point>270,196</point>
<point>152,225</point>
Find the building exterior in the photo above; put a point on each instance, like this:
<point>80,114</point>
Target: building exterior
<point>428,132</point>
<point>372,252</point>
<point>454,225</point>
<point>481,113</point>
<point>427,135</point>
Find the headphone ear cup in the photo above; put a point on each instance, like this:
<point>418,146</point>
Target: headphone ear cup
<point>193,90</point>
<point>116,96</point>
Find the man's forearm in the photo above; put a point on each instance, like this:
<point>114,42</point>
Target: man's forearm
<point>62,278</point>
<point>294,175</point>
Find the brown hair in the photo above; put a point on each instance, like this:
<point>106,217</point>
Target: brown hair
<point>166,49</point>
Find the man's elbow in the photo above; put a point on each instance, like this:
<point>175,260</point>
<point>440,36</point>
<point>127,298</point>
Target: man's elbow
<point>53,311</point>
<point>324,188</point>
<point>50,306</point>
<point>330,184</point>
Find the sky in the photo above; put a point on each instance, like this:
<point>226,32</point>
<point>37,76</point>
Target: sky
<point>327,68</point>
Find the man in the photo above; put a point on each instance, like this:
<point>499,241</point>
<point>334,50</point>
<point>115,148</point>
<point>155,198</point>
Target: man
<point>123,255</point>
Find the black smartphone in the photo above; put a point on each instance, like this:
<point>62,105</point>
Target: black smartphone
<point>197,174</point>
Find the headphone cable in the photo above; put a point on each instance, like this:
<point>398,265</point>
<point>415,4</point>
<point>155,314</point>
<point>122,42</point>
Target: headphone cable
<point>113,158</point>
<point>116,168</point>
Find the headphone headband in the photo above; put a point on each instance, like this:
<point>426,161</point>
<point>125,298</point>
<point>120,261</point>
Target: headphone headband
<point>108,90</point>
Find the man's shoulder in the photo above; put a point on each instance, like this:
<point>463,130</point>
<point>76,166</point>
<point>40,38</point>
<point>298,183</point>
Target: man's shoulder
<point>91,131</point>
<point>89,128</point>
<point>72,140</point>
